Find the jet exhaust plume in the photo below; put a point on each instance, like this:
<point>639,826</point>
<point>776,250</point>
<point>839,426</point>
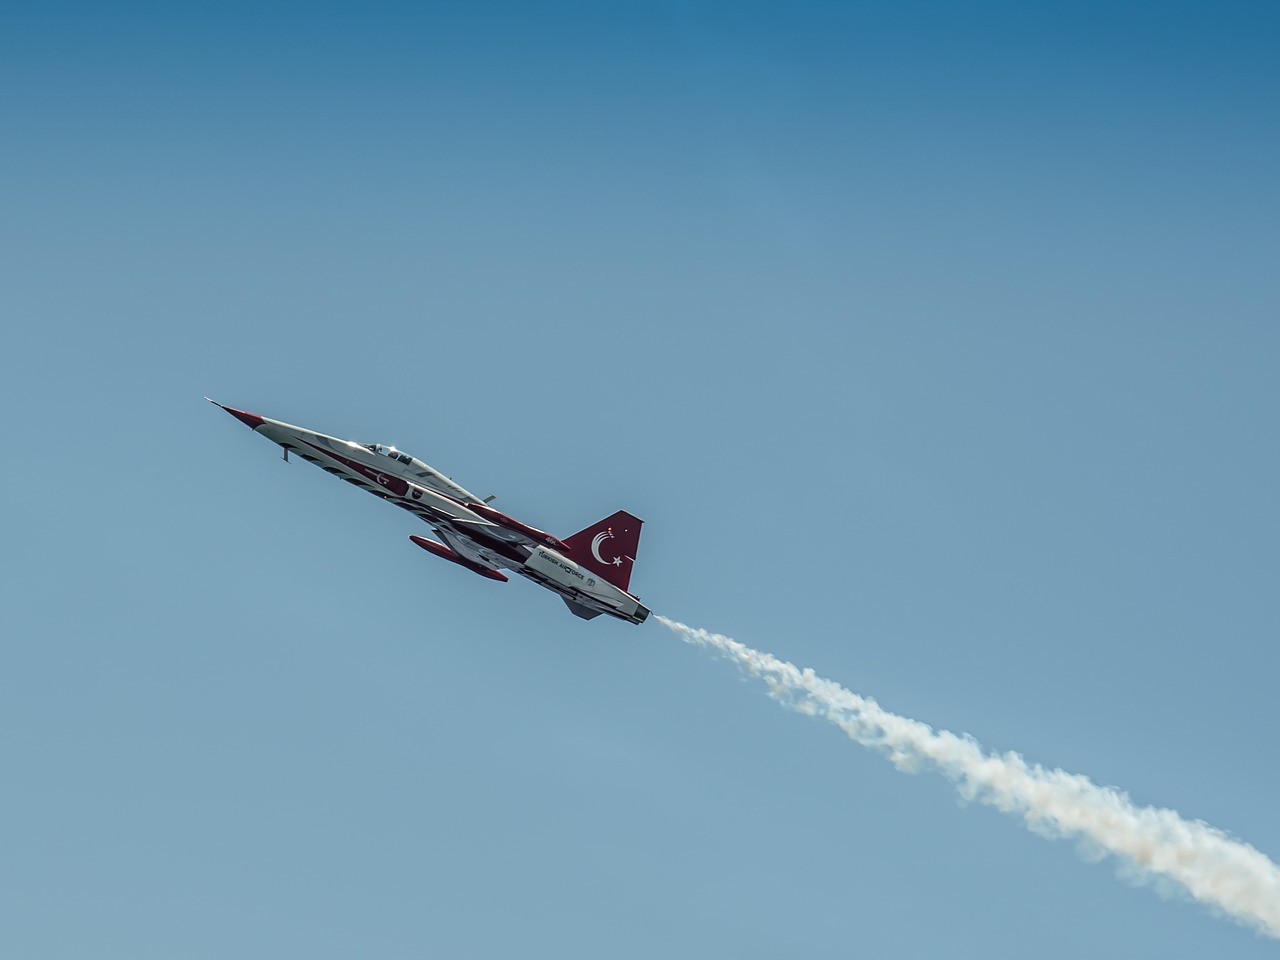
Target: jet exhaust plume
<point>1151,842</point>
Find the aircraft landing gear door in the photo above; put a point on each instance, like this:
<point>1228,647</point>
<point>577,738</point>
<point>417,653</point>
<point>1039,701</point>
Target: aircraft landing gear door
<point>286,452</point>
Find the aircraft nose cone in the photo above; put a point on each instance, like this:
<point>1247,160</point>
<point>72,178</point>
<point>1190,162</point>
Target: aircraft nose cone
<point>250,420</point>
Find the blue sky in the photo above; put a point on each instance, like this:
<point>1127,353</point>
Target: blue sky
<point>936,345</point>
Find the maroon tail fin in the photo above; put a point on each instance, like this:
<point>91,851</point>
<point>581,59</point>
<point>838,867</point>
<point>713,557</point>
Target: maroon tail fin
<point>608,548</point>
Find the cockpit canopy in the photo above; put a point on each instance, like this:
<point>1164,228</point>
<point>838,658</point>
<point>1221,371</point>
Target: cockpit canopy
<point>419,472</point>
<point>384,450</point>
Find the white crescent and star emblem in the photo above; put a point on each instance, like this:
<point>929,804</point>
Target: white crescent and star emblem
<point>598,539</point>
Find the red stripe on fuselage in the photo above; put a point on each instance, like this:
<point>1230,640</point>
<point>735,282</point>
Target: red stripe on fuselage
<point>387,481</point>
<point>250,420</point>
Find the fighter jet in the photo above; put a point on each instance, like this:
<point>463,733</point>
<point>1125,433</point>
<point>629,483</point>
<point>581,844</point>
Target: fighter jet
<point>590,570</point>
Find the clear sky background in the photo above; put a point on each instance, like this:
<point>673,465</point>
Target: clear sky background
<point>936,343</point>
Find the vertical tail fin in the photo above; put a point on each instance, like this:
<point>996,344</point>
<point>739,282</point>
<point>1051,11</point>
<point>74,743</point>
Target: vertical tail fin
<point>608,548</point>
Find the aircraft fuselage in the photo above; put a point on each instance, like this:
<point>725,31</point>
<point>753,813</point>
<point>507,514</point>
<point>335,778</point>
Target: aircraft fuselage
<point>473,534</point>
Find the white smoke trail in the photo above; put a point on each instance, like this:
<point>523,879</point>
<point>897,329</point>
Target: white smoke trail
<point>1153,842</point>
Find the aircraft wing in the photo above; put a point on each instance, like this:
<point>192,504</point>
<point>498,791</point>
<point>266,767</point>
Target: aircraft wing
<point>494,530</point>
<point>460,544</point>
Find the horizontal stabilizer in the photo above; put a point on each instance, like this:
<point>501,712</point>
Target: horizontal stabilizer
<point>578,610</point>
